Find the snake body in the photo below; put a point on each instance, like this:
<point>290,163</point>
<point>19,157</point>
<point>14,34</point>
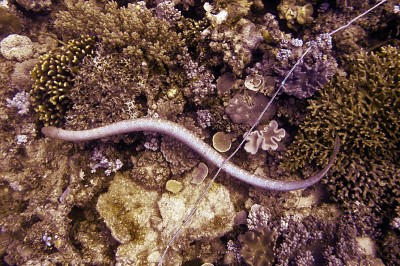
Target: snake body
<point>190,139</point>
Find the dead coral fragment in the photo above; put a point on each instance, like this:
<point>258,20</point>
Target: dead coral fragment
<point>265,139</point>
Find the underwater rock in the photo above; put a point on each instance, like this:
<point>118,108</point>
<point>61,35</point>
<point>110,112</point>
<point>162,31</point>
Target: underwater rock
<point>127,209</point>
<point>213,218</point>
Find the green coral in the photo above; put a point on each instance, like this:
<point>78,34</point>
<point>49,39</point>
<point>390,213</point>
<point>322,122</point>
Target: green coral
<point>53,78</point>
<point>362,108</point>
<point>134,30</point>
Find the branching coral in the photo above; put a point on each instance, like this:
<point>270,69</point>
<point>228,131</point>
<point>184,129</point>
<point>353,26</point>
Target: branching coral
<point>53,78</point>
<point>313,72</point>
<point>235,44</point>
<point>362,108</point>
<point>323,239</point>
<point>134,29</point>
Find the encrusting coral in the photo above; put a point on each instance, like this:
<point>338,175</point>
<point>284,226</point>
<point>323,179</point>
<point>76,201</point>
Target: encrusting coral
<point>363,109</point>
<point>245,109</point>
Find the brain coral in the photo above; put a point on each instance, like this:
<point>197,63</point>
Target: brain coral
<point>363,109</point>
<point>17,47</point>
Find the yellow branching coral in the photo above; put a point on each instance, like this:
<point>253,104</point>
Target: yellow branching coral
<point>53,78</point>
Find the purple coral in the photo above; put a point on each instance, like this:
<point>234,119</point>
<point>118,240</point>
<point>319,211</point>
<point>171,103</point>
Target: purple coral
<point>307,78</point>
<point>265,139</point>
<point>245,110</point>
<point>313,71</point>
<point>20,102</point>
<point>98,160</point>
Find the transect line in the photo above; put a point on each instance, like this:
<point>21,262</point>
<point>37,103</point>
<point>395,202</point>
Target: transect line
<point>187,137</point>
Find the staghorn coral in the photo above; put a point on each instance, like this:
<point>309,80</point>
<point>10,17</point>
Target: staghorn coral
<point>110,87</point>
<point>362,109</point>
<point>53,78</point>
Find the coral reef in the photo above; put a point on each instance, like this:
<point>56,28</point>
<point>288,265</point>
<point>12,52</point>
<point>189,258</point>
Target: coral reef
<point>314,71</point>
<point>209,67</point>
<point>295,239</point>
<point>258,247</point>
<point>151,169</point>
<point>53,78</point>
<point>133,28</point>
<point>146,219</point>
<point>362,109</point>
<point>296,12</point>
<point>178,155</point>
<point>35,6</point>
<point>9,23</point>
